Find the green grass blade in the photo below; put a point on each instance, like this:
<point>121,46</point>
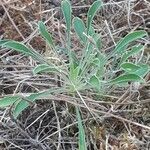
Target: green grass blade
<point>126,78</point>
<point>129,67</point>
<point>91,13</point>
<point>8,101</point>
<point>46,35</point>
<point>80,28</point>
<point>82,142</point>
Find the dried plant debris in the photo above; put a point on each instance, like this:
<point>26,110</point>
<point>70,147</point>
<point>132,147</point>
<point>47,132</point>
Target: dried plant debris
<point>121,118</point>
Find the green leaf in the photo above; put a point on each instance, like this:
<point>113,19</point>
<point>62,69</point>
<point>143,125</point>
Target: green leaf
<point>99,60</point>
<point>66,9</point>
<point>79,27</point>
<point>20,47</point>
<point>3,42</point>
<point>126,78</point>
<point>82,141</point>
<point>101,66</point>
<point>74,57</point>
<point>8,100</point>
<point>123,43</point>
<point>47,36</point>
<point>91,31</point>
<point>136,49</point>
<point>73,71</point>
<point>129,67</point>
<point>143,70</point>
<point>94,81</point>
<point>96,62</point>
<point>45,68</point>
<point>22,105</point>
<point>97,40</point>
<point>91,13</point>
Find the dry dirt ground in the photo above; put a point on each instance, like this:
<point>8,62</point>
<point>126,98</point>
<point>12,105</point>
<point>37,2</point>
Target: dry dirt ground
<point>51,124</point>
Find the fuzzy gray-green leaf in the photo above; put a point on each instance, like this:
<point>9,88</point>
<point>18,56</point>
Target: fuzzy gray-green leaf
<point>82,142</point>
<point>94,82</point>
<point>47,36</point>
<point>143,70</point>
<point>123,43</point>
<point>97,40</point>
<point>20,47</point>
<point>129,67</point>
<point>3,42</point>
<point>66,9</point>
<point>91,13</point>
<point>45,68</point>
<point>22,105</point>
<point>79,27</point>
<point>136,49</point>
<point>126,78</point>
<point>8,101</point>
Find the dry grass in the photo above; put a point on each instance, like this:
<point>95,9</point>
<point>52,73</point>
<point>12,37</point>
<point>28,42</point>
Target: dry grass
<point>121,118</point>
